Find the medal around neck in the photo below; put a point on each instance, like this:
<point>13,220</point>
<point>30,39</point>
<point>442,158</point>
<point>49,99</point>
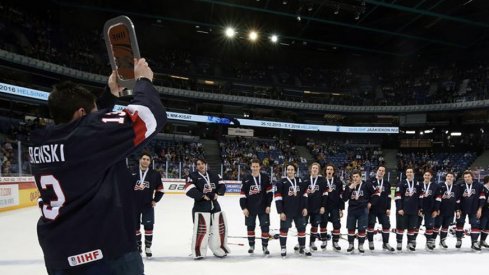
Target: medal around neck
<point>122,48</point>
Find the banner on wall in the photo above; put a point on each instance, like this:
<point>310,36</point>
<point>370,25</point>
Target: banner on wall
<point>17,192</point>
<point>177,186</point>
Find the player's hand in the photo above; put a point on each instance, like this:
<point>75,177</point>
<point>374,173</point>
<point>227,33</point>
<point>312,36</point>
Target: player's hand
<point>434,214</point>
<point>153,203</point>
<point>457,214</point>
<point>267,210</point>
<point>304,212</point>
<point>341,214</point>
<point>246,212</point>
<point>420,213</point>
<point>369,205</point>
<point>322,210</point>
<point>142,69</point>
<point>206,198</point>
<point>388,212</point>
<point>114,87</point>
<point>283,217</point>
<point>479,213</point>
<point>401,212</point>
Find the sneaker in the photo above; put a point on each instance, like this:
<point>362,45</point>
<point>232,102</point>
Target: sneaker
<point>388,247</point>
<point>360,248</point>
<point>350,248</point>
<point>411,246</point>
<point>265,251</point>
<point>336,247</point>
<point>459,243</point>
<point>323,245</point>
<point>371,245</point>
<point>443,244</point>
<point>148,252</point>
<point>283,252</point>
<point>313,247</point>
<point>484,244</point>
<point>399,246</point>
<point>251,250</point>
<point>475,246</point>
<point>296,247</point>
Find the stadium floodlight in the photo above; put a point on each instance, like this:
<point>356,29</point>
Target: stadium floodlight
<point>274,38</point>
<point>410,132</point>
<point>230,32</point>
<point>253,36</point>
<point>456,134</point>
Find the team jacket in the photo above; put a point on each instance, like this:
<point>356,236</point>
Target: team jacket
<point>408,200</point>
<point>335,193</point>
<point>256,195</point>
<point>429,202</point>
<point>384,199</point>
<point>290,200</point>
<point>449,201</point>
<point>317,196</point>
<point>197,186</point>
<point>149,190</point>
<point>471,198</point>
<point>85,187</point>
<point>360,196</point>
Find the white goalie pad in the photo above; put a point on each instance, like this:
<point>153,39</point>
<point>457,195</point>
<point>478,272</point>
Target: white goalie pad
<point>218,239</point>
<point>200,236</point>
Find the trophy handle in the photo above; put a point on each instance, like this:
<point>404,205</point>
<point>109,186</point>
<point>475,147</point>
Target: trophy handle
<point>122,48</point>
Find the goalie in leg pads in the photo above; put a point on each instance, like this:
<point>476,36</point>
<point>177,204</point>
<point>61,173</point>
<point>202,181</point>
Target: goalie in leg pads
<point>218,239</point>
<point>209,222</point>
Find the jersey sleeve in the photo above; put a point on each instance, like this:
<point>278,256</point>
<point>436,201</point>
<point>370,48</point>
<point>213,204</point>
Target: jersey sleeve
<point>399,196</point>
<point>279,203</point>
<point>269,193</point>
<point>242,195</point>
<point>159,192</point>
<point>192,191</point>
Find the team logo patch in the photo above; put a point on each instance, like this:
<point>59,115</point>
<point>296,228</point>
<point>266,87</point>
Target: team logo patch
<point>141,185</point>
<point>84,258</point>
<point>254,190</point>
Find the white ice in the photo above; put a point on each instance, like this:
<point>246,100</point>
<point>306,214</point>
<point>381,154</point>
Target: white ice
<point>20,252</point>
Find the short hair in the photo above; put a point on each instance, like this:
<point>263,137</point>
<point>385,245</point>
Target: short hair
<point>201,160</point>
<point>356,172</point>
<point>256,161</point>
<point>381,165</point>
<point>486,179</point>
<point>468,172</point>
<point>315,163</point>
<point>428,171</point>
<point>293,165</point>
<point>145,154</point>
<point>66,98</point>
<point>409,167</point>
<point>452,173</point>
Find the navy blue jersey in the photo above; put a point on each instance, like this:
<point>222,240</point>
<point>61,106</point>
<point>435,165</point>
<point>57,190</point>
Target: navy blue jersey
<point>85,187</point>
<point>383,187</point>
<point>209,184</point>
<point>291,197</point>
<point>359,197</point>
<point>449,198</point>
<point>408,198</point>
<point>472,197</point>
<point>335,193</point>
<point>256,194</point>
<point>428,198</point>
<point>317,196</point>
<point>148,190</point>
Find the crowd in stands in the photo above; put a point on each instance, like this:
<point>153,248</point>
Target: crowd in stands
<point>42,37</point>
<point>438,162</point>
<point>274,154</point>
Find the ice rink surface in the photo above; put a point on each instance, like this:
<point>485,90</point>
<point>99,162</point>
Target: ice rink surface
<point>20,252</point>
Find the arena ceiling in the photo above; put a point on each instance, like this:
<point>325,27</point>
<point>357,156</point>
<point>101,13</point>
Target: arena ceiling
<point>378,27</point>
